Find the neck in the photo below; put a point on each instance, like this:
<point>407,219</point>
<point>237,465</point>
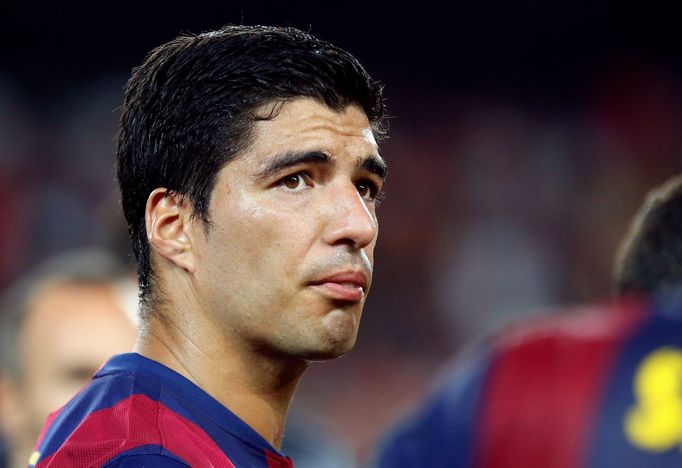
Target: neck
<point>256,386</point>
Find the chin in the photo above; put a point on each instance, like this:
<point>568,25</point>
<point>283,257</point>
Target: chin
<point>325,353</point>
<point>332,336</point>
<point>319,346</point>
<point>327,347</point>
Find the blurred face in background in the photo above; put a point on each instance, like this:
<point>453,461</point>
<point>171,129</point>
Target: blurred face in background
<point>69,331</point>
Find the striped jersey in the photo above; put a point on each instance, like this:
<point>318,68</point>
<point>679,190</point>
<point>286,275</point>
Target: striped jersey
<point>600,388</point>
<point>137,412</point>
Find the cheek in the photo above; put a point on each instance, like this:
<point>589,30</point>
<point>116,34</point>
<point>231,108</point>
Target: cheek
<point>262,235</point>
<point>44,393</point>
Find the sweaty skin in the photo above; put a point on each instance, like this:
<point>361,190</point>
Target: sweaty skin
<point>281,275</point>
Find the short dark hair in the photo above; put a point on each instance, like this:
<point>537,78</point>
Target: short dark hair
<point>190,108</point>
<point>649,260</point>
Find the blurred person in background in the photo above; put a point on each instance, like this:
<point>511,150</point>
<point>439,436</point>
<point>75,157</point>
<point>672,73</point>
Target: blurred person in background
<point>58,325</point>
<point>249,173</point>
<point>599,387</point>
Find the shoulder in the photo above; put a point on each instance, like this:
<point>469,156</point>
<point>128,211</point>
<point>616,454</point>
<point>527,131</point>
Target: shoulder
<point>113,413</point>
<point>518,362</point>
<point>556,359</point>
<point>441,431</point>
<point>122,416</point>
<point>578,327</point>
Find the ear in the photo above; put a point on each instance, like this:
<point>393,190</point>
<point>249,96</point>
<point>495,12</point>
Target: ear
<point>169,228</point>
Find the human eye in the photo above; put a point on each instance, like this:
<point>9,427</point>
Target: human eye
<point>296,182</point>
<point>368,190</point>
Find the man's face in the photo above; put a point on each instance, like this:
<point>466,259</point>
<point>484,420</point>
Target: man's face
<point>70,330</point>
<point>286,263</point>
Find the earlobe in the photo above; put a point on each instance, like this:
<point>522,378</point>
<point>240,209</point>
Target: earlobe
<point>169,218</point>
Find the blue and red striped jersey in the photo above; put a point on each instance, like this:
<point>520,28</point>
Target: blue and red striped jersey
<point>137,412</point>
<point>598,388</point>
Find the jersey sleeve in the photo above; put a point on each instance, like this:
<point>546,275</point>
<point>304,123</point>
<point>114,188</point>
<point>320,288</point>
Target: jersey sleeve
<point>442,432</point>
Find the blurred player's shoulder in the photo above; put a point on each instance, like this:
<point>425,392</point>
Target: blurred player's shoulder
<point>574,325</point>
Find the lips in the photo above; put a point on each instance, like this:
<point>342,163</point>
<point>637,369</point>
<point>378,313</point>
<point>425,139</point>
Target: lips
<point>344,286</point>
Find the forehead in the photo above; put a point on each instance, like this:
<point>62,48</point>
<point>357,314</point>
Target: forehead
<point>305,123</point>
<point>74,306</point>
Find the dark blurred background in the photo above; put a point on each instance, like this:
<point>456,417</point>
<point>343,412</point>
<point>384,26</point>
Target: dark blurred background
<point>524,136</point>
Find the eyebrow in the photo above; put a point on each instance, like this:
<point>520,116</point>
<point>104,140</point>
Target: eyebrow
<point>293,158</point>
<point>374,165</point>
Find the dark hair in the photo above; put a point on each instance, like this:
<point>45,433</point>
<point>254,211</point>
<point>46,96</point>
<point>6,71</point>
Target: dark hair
<point>190,108</point>
<point>649,260</point>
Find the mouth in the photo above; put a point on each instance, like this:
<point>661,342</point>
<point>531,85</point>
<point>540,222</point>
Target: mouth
<point>346,286</point>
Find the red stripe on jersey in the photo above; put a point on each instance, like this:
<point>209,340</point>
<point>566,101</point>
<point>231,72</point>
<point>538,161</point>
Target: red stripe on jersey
<point>133,422</point>
<point>276,461</point>
<point>544,386</point>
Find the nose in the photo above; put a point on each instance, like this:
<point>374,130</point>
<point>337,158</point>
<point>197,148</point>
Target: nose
<point>351,221</point>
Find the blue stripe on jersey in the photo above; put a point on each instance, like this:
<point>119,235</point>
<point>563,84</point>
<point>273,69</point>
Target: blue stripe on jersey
<point>149,456</point>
